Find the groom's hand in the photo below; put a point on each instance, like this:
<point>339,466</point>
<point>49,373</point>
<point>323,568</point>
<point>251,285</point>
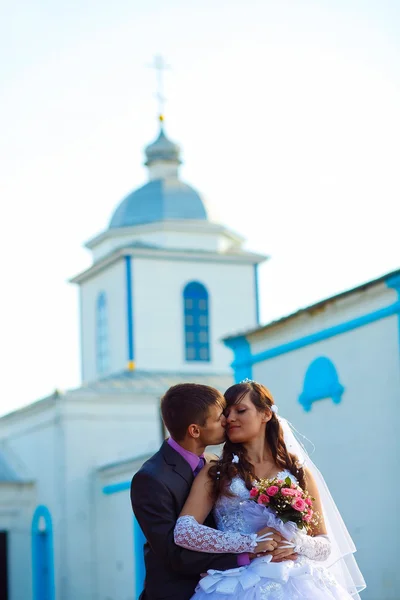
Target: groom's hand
<point>282,554</point>
<point>271,543</point>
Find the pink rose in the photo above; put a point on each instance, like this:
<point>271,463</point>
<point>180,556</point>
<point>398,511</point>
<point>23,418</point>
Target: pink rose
<point>263,499</point>
<point>308,501</point>
<point>293,486</point>
<point>288,492</point>
<point>299,504</point>
<point>307,518</point>
<point>272,490</point>
<point>253,492</point>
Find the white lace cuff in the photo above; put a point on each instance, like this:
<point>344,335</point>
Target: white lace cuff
<point>189,534</point>
<point>315,548</point>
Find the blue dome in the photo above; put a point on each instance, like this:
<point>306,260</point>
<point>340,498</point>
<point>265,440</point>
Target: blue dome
<point>159,200</point>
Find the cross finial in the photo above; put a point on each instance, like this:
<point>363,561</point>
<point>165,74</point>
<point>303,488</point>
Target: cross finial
<point>160,66</point>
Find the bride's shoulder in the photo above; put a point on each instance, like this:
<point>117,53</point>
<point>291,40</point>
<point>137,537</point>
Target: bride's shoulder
<point>310,480</point>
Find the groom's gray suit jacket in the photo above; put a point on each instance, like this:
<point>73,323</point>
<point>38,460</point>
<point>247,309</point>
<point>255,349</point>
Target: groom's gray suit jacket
<point>158,492</point>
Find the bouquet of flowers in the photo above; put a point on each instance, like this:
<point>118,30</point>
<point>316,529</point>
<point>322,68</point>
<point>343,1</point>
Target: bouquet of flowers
<point>287,500</point>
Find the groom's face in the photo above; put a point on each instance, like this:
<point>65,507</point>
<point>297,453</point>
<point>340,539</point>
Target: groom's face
<point>213,432</point>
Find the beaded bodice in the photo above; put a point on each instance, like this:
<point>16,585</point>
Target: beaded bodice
<point>228,511</point>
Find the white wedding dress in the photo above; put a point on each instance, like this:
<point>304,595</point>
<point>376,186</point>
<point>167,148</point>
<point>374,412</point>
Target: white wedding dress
<point>304,579</point>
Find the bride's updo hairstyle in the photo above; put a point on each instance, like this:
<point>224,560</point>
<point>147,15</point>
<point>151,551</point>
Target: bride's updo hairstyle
<point>223,471</point>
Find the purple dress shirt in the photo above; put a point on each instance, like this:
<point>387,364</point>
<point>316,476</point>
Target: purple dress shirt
<point>193,460</point>
<point>190,458</point>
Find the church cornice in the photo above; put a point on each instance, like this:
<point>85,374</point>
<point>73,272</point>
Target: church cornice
<point>158,253</point>
<point>186,226</point>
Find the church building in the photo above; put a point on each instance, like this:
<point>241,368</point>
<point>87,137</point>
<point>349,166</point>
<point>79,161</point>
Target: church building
<point>166,285</point>
<point>334,371</point>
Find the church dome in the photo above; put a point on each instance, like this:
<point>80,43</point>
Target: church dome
<point>162,149</point>
<point>165,197</point>
<point>159,200</point>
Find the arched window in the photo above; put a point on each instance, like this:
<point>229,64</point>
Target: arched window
<point>42,555</point>
<point>197,326</point>
<point>321,381</point>
<point>102,350</point>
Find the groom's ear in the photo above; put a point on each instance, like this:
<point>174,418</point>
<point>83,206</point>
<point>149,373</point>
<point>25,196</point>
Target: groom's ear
<point>194,431</point>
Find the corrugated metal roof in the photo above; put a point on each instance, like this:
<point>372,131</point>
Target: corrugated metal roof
<point>154,382</point>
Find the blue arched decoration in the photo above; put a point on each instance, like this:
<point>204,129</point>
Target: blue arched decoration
<point>102,348</point>
<point>42,555</point>
<point>138,542</point>
<point>321,381</point>
<point>197,322</point>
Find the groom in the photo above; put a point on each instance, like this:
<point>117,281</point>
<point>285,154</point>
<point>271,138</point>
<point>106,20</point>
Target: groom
<point>193,414</point>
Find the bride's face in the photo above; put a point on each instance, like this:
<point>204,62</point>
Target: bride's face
<point>244,422</point>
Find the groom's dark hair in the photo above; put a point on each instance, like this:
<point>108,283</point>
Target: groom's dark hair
<point>186,404</point>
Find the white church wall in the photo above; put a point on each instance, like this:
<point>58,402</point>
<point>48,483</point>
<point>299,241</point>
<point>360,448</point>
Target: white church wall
<point>356,440</point>
<point>17,504</point>
<point>112,281</point>
<point>115,547</point>
<point>207,241</point>
<point>36,436</point>
<point>38,446</point>
<point>115,534</point>
<point>100,431</point>
<point>158,310</point>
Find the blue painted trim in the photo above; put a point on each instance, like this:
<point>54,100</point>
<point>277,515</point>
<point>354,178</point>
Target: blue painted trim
<point>242,363</point>
<point>257,295</point>
<point>321,381</point>
<point>129,308</point>
<point>114,488</point>
<point>394,283</point>
<point>42,556</point>
<point>140,570</point>
<point>245,360</point>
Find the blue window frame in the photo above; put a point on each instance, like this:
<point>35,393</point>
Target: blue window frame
<point>42,555</point>
<point>102,346</point>
<point>196,322</point>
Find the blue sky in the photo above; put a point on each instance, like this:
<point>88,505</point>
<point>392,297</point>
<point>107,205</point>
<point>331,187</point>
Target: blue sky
<point>287,113</point>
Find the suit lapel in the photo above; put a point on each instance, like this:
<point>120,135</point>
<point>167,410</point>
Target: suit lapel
<point>177,462</point>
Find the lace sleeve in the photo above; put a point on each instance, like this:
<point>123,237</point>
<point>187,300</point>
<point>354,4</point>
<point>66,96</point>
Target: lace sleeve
<point>189,534</point>
<point>315,548</point>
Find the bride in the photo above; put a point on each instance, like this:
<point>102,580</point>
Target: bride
<point>299,566</point>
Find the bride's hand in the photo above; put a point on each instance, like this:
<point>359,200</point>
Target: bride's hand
<point>282,557</point>
<point>271,541</point>
<point>284,551</point>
